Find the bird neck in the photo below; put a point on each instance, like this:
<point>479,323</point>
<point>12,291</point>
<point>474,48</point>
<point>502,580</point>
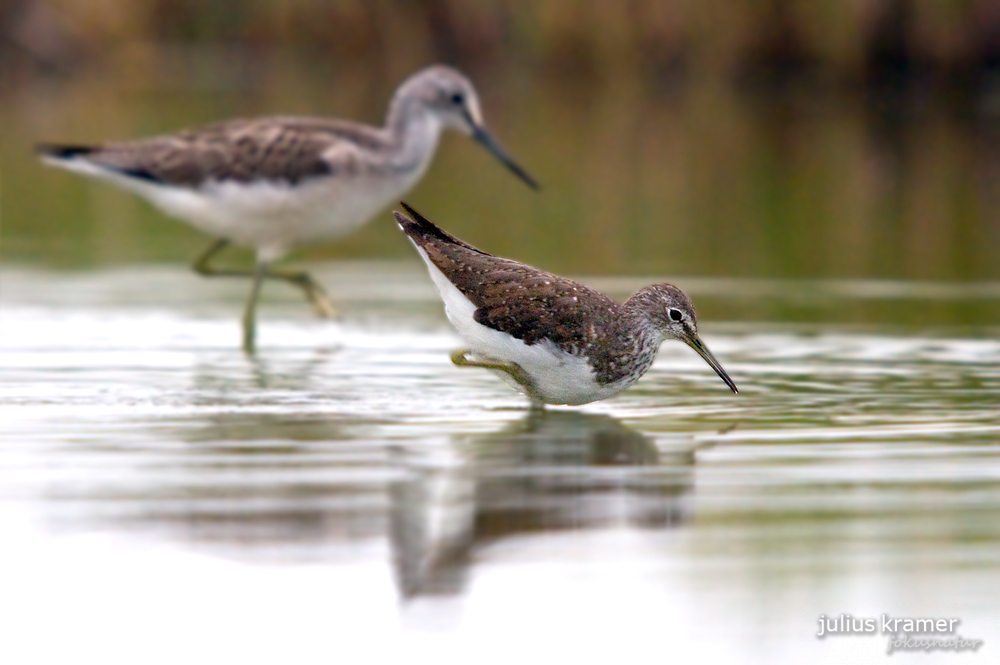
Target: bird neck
<point>637,317</point>
<point>630,345</point>
<point>413,131</point>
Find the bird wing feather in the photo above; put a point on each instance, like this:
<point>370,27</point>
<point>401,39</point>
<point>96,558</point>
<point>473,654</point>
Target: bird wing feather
<point>278,149</point>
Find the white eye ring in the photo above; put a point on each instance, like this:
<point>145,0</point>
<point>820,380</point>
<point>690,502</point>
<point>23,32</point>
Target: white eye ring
<point>675,314</point>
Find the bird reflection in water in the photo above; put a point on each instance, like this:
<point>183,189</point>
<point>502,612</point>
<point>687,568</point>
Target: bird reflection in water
<point>552,471</point>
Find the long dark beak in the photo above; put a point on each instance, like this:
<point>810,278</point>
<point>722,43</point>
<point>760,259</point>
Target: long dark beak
<point>483,137</point>
<point>699,346</point>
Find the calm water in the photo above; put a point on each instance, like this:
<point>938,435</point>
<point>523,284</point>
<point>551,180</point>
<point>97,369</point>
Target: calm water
<point>350,496</point>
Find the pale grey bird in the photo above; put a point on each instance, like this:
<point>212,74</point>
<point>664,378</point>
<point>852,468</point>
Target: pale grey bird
<point>278,183</point>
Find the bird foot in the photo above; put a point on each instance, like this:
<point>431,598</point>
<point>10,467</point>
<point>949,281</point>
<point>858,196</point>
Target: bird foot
<point>514,370</point>
<point>322,304</point>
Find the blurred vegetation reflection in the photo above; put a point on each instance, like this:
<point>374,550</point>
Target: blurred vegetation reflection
<point>791,139</point>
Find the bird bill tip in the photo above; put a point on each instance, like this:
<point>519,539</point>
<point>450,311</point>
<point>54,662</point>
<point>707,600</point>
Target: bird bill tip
<point>695,343</point>
<point>484,138</point>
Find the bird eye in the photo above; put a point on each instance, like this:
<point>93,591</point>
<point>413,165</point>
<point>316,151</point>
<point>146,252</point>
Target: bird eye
<point>675,314</point>
<point>457,99</point>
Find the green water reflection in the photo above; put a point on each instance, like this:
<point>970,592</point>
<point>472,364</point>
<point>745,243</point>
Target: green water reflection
<point>844,258</point>
<point>708,183</point>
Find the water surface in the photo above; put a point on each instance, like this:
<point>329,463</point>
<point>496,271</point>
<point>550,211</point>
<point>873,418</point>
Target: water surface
<point>349,495</point>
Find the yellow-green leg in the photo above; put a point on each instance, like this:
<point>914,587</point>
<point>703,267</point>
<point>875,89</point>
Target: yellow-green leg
<point>515,371</point>
<point>313,292</point>
<point>250,310</point>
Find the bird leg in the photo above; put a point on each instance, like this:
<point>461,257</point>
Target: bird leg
<point>250,310</point>
<point>314,293</point>
<point>201,266</point>
<point>514,370</point>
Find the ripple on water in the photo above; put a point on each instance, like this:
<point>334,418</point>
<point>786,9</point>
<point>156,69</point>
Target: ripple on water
<point>854,466</point>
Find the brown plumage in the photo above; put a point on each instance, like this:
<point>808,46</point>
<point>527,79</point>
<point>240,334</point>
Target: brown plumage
<point>527,303</point>
<point>619,341</point>
<point>283,149</point>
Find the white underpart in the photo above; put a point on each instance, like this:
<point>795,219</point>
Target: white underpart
<point>560,377</point>
<point>273,217</point>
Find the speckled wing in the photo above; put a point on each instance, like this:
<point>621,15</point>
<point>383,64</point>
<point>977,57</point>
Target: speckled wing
<point>275,149</point>
<point>514,298</point>
<point>532,305</point>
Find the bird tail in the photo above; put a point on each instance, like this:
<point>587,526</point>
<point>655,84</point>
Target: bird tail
<point>58,151</point>
<point>420,229</point>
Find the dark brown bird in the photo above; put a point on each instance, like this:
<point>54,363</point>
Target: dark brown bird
<point>553,339</point>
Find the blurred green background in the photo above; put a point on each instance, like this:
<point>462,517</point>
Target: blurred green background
<point>778,139</point>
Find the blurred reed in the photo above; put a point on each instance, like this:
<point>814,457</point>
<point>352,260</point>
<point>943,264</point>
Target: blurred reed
<point>949,46</point>
<point>779,138</point>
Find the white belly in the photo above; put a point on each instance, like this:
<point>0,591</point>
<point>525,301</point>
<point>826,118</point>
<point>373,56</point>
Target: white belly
<point>271,217</point>
<point>559,377</point>
<point>276,217</point>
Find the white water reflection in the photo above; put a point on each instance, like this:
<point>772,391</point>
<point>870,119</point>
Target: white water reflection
<point>352,496</point>
<point>561,471</point>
